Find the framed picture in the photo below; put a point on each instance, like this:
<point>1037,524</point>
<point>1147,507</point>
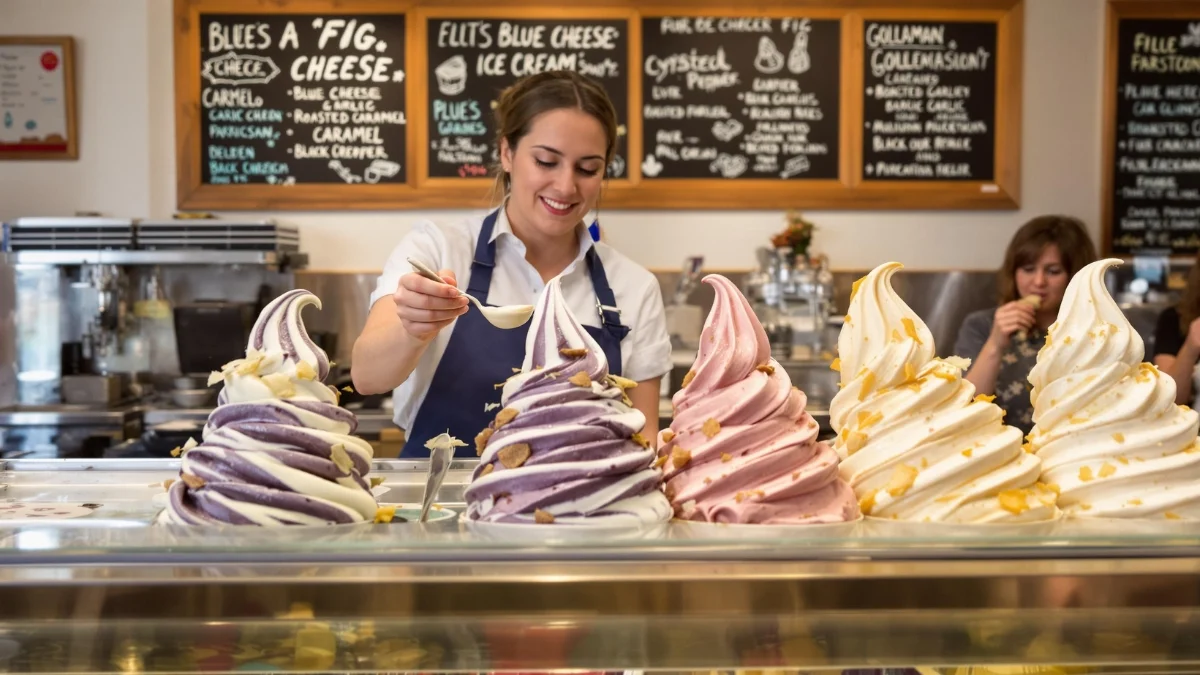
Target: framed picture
<point>37,98</point>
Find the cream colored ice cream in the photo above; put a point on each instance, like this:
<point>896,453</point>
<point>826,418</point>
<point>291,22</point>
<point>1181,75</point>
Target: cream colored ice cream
<point>1106,425</point>
<point>916,443</point>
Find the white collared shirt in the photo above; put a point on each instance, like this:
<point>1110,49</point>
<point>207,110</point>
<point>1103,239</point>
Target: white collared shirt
<point>645,352</point>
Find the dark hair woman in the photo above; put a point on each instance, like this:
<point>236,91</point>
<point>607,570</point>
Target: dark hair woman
<point>556,135</point>
<point>1003,342</point>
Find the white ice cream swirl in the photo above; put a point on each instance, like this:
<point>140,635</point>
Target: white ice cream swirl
<point>916,442</point>
<point>1106,425</point>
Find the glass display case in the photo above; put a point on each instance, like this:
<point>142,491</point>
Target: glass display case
<point>89,584</point>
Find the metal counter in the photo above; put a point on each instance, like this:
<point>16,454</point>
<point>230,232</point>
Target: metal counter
<point>1113,598</point>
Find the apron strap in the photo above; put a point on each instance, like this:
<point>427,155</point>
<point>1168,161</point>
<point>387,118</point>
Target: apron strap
<point>485,260</point>
<point>606,300</point>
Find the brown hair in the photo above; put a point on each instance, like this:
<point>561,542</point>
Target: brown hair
<point>1065,232</point>
<point>523,101</point>
<point>1189,302</point>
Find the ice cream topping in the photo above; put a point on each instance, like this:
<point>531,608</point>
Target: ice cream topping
<point>564,447</point>
<point>1106,425</point>
<point>916,442</point>
<point>278,449</point>
<point>741,448</point>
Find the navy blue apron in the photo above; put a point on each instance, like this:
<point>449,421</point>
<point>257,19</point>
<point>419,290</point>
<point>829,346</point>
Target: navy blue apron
<point>479,356</point>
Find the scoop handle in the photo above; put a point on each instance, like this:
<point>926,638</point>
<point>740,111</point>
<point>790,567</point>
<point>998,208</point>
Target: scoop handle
<point>425,271</point>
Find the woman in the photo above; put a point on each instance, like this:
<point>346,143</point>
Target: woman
<point>1177,339</point>
<point>556,133</point>
<point>1003,343</point>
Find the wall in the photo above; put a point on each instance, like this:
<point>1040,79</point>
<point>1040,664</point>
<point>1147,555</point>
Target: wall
<point>127,160</point>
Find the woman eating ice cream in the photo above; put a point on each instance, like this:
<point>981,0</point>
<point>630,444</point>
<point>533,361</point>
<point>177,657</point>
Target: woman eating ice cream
<point>1003,342</point>
<point>556,134</point>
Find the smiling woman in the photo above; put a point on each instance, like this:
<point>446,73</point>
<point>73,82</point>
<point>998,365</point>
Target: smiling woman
<point>556,135</point>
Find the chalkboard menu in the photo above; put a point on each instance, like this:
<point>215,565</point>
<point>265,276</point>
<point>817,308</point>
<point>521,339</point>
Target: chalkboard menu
<point>302,98</point>
<point>1156,174</point>
<point>470,61</point>
<point>929,108</point>
<point>726,97</point>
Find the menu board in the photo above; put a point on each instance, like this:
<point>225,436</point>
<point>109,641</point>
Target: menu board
<point>37,114</point>
<point>740,98</point>
<point>1156,154</point>
<point>302,98</point>
<point>929,107</point>
<point>470,61</point>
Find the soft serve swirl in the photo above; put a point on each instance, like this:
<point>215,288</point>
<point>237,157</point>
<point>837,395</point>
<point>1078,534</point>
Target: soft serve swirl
<point>916,442</point>
<point>564,447</point>
<point>277,450</point>
<point>741,448</point>
<point>1106,425</point>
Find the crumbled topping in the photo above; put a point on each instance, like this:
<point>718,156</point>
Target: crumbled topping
<point>385,514</point>
<point>967,452</point>
<point>542,517</point>
<point>481,440</point>
<point>711,427</point>
<point>1120,438</point>
<point>581,379</point>
<point>836,365</point>
<point>766,368</point>
<point>573,353</point>
<point>902,479</point>
<point>985,398</point>
<point>667,435</point>
<point>867,503</point>
<point>680,457</point>
<point>194,482</point>
<point>1085,474</point>
<point>726,457</point>
<point>910,329</point>
<point>1015,502</point>
<point>687,379</point>
<point>1107,470</point>
<point>513,456</point>
<point>1169,515</point>
<point>640,440</point>
<point>868,384</point>
<point>505,416</point>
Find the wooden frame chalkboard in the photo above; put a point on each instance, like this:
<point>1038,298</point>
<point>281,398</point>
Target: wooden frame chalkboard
<point>629,188</point>
<point>37,63</point>
<point>1176,243</point>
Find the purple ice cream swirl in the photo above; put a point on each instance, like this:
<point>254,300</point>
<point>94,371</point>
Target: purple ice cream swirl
<point>277,450</point>
<point>564,447</point>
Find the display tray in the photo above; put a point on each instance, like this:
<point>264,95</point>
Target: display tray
<point>122,499</point>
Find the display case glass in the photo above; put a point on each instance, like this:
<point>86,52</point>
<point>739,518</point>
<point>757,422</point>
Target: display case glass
<point>91,585</point>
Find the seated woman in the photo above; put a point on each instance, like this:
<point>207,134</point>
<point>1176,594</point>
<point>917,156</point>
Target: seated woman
<point>1177,340</point>
<point>1003,342</point>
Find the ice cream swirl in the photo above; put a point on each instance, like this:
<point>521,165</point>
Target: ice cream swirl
<point>916,442</point>
<point>564,447</point>
<point>1106,425</point>
<point>278,449</point>
<point>741,448</point>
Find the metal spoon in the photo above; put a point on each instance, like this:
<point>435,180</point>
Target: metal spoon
<point>441,451</point>
<point>507,316</point>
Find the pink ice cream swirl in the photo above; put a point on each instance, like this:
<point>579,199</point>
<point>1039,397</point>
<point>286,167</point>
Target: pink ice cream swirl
<point>741,448</point>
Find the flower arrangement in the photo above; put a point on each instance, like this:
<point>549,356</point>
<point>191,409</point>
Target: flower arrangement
<point>797,235</point>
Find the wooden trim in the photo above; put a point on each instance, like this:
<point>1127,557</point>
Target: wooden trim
<point>1115,11</point>
<point>192,194</point>
<point>67,44</point>
<point>420,191</point>
<point>1003,191</point>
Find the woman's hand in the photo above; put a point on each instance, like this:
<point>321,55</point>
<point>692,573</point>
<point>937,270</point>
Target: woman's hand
<point>1010,318</point>
<point>425,307</point>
